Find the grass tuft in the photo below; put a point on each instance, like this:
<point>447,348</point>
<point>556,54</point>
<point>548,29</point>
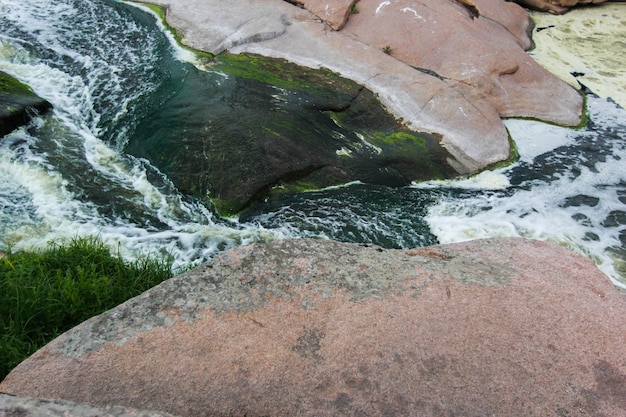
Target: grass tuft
<point>43,294</point>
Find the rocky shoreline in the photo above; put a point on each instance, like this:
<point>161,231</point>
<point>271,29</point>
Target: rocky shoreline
<point>459,83</point>
<point>321,328</point>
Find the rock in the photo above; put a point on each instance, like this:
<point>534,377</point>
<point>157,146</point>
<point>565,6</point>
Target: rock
<point>12,406</point>
<point>18,104</point>
<point>484,58</point>
<point>461,101</point>
<point>334,13</point>
<point>253,127</point>
<point>506,327</point>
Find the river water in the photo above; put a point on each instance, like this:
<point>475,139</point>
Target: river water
<point>105,66</point>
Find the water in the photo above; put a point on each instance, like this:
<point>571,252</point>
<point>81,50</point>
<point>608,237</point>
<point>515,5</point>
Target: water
<point>106,66</point>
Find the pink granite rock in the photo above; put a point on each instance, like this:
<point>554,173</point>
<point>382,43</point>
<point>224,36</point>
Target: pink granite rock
<point>13,406</point>
<point>499,327</point>
<point>483,58</point>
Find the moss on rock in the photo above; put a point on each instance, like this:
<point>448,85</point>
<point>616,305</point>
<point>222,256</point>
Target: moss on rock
<point>18,104</point>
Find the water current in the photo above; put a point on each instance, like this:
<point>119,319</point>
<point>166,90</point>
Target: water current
<point>106,65</point>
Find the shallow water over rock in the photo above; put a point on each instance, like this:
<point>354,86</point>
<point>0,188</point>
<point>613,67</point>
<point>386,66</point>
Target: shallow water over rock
<point>250,126</point>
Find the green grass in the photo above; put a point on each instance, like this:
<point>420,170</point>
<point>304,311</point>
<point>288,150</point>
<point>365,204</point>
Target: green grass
<point>43,294</point>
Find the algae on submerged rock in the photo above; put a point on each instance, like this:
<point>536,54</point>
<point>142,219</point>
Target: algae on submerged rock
<point>251,125</point>
<point>18,104</point>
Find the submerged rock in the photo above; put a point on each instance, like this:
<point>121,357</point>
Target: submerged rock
<point>318,328</point>
<point>18,104</point>
<point>253,126</point>
<point>446,71</point>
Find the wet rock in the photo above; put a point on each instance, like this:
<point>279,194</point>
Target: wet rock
<point>320,328</point>
<point>254,126</point>
<point>18,104</point>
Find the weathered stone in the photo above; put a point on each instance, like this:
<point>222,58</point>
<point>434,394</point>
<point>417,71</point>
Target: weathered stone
<point>484,58</point>
<point>18,104</point>
<point>13,406</point>
<point>319,328</point>
<point>334,13</point>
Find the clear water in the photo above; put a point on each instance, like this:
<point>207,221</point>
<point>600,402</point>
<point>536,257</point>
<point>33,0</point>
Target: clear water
<point>105,66</point>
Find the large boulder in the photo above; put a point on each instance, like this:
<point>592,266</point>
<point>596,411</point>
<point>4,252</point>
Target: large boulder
<point>507,327</point>
<point>483,58</point>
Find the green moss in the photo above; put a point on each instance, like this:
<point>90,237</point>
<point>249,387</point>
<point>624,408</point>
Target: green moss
<point>270,131</point>
<point>161,12</point>
<point>402,142</point>
<point>11,86</point>
<point>281,73</point>
<point>227,208</point>
<point>513,156</point>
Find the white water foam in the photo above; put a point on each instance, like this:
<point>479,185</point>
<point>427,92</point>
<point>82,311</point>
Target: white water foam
<point>542,211</point>
<point>183,54</point>
<point>39,203</point>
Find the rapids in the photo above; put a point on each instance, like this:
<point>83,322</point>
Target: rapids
<point>106,65</point>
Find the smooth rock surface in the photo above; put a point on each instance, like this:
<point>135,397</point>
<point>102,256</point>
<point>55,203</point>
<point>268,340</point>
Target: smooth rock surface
<point>483,58</point>
<point>506,327</point>
<point>497,81</point>
<point>13,406</point>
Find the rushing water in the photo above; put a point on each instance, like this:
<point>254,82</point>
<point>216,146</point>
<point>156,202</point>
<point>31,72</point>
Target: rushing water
<point>105,66</point>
